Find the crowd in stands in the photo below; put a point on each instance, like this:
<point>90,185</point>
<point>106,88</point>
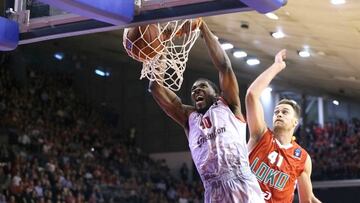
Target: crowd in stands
<point>60,150</point>
<point>334,149</point>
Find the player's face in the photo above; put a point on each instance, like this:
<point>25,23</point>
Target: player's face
<point>202,95</point>
<point>284,117</point>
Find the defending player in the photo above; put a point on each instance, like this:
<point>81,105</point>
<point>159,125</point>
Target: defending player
<point>277,161</point>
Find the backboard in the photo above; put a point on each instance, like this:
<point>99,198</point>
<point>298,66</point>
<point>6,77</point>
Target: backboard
<point>41,20</point>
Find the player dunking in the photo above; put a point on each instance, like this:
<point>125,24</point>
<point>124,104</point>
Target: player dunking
<point>215,129</point>
<point>277,161</point>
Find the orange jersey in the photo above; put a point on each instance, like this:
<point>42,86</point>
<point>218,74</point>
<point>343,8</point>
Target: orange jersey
<point>277,167</point>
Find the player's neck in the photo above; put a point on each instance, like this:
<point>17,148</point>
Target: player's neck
<point>283,136</point>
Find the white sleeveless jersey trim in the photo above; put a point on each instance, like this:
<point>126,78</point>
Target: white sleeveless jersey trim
<point>217,140</point>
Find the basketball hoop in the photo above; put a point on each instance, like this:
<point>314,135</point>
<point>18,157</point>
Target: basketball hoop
<point>167,66</point>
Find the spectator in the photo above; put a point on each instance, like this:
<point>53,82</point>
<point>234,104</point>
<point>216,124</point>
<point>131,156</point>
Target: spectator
<point>184,172</point>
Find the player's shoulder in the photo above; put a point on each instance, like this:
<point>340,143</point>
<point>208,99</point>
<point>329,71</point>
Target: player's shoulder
<point>220,101</point>
<point>188,109</point>
<point>299,152</point>
<point>297,145</point>
<point>268,135</point>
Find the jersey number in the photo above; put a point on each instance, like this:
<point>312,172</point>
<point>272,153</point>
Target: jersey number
<point>205,122</point>
<point>275,157</point>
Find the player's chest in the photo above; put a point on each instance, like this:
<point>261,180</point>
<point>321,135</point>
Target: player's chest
<point>279,161</point>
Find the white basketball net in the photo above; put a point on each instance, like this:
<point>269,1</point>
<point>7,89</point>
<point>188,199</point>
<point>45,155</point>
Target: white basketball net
<point>169,63</point>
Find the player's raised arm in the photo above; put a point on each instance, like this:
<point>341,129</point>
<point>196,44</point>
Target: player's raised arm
<point>254,109</point>
<point>228,83</point>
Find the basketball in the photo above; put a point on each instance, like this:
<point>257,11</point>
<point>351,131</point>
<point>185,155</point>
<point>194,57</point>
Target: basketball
<point>143,43</point>
<point>163,49</point>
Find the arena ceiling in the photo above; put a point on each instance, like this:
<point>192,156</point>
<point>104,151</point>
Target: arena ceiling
<point>330,32</point>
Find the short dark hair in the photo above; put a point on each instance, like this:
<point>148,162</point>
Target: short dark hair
<point>293,104</point>
<point>211,83</point>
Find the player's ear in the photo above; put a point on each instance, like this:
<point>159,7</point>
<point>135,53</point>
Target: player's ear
<point>296,122</point>
<point>217,94</point>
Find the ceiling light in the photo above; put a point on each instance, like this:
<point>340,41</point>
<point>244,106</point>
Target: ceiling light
<point>227,46</point>
<point>272,16</point>
<point>338,2</point>
<point>253,61</point>
<point>304,53</point>
<point>102,73</point>
<point>336,102</point>
<point>59,56</point>
<point>240,54</point>
<point>278,34</point>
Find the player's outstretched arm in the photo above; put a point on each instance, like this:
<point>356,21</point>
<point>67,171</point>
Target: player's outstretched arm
<point>254,109</point>
<point>170,103</point>
<point>304,184</point>
<point>228,83</point>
